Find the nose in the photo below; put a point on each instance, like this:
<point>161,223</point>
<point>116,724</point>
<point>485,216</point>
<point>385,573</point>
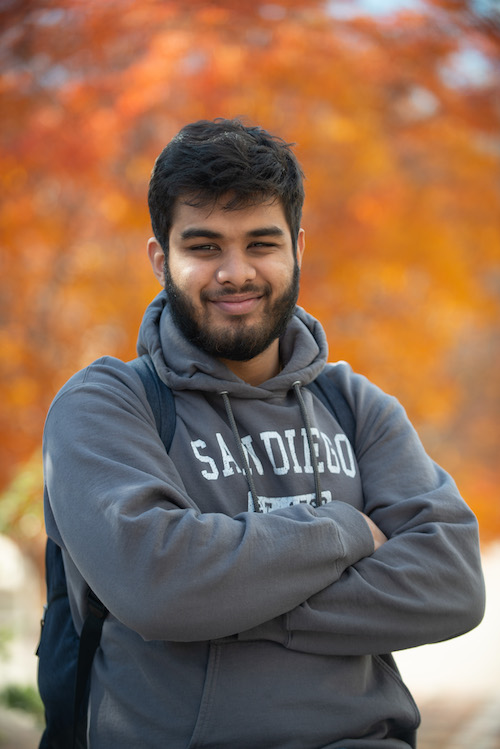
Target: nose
<point>235,268</point>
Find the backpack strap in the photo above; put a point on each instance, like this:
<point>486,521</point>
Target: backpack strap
<point>333,398</point>
<point>160,398</point>
<point>162,404</point>
<point>90,638</point>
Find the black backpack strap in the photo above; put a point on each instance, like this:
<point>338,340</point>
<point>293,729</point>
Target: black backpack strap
<point>58,656</point>
<point>162,404</point>
<point>332,397</point>
<point>90,638</point>
<point>160,398</point>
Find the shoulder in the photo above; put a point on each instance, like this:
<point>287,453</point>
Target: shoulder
<point>105,380</point>
<point>356,388</point>
<point>374,410</point>
<point>108,371</point>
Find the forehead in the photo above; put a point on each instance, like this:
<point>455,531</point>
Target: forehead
<point>216,216</point>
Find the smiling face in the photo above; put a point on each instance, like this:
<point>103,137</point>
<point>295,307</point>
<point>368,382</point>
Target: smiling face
<point>232,279</point>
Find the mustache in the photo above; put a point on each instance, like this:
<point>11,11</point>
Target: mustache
<point>247,289</point>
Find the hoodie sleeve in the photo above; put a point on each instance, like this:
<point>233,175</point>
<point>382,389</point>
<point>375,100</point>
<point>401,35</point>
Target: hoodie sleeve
<point>425,583</point>
<point>116,504</point>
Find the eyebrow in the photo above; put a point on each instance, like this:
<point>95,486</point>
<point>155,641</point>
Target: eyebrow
<point>200,231</point>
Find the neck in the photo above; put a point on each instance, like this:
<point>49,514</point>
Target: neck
<point>260,368</point>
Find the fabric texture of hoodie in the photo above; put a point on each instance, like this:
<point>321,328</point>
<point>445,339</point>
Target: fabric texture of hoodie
<point>231,627</point>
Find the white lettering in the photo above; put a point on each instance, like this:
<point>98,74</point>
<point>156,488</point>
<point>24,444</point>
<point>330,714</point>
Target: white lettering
<point>336,454</point>
<point>267,438</point>
<point>214,474</point>
<point>227,458</point>
<point>290,435</point>
<point>341,439</point>
<point>307,453</point>
<point>321,465</point>
<point>331,456</point>
<point>267,504</point>
<point>250,453</point>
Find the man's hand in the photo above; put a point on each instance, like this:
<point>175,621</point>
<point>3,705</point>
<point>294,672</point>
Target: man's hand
<point>379,538</point>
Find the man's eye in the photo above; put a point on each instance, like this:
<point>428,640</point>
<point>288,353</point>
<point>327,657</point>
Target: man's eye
<point>203,247</point>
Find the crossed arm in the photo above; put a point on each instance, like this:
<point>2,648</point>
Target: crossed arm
<point>423,582</point>
<point>329,580</point>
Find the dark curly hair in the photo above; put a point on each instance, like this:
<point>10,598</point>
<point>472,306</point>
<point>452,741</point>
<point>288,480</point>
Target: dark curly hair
<point>207,160</point>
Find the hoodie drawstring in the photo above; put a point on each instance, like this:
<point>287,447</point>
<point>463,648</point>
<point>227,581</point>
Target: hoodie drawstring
<point>246,466</point>
<point>243,456</point>
<point>314,460</point>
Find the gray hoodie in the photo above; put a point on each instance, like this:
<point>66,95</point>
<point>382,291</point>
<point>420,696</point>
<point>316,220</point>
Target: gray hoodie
<point>236,629</point>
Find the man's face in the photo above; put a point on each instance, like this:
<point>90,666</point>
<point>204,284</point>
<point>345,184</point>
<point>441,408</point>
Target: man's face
<point>232,277</point>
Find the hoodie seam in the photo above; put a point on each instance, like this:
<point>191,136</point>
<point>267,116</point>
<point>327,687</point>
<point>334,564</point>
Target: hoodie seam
<point>207,696</point>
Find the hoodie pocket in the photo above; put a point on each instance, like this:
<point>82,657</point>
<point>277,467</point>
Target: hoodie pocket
<point>260,694</point>
<point>214,656</point>
<point>387,663</point>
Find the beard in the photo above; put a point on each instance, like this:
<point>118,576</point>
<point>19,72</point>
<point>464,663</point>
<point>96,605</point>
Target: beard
<point>239,341</point>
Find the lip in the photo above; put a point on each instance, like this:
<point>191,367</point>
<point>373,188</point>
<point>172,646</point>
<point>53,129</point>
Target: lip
<point>236,305</point>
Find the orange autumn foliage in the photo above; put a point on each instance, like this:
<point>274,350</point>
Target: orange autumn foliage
<point>397,124</point>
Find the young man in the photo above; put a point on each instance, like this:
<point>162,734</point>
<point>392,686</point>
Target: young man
<point>260,573</point>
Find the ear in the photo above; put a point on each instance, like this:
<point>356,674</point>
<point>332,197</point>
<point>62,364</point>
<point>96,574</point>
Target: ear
<point>157,259</point>
<point>301,246</point>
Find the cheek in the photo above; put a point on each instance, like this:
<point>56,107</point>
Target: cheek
<point>189,276</point>
<point>281,275</point>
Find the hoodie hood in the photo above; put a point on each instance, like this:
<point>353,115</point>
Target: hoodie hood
<point>184,366</point>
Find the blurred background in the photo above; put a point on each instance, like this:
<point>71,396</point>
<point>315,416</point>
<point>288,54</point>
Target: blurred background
<point>394,107</point>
